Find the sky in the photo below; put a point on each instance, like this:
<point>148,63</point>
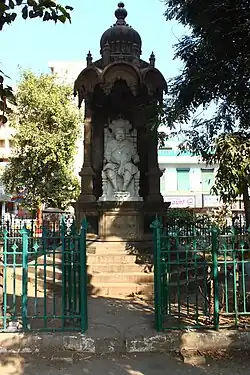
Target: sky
<point>33,44</point>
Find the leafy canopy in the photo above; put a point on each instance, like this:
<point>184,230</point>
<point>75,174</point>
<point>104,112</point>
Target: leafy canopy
<point>46,9</point>
<point>215,56</point>
<point>47,126</point>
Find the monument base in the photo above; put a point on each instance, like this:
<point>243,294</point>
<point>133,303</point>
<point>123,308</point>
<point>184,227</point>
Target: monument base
<point>120,221</point>
<point>121,196</point>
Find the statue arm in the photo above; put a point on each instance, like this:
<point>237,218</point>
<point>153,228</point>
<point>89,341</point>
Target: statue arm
<point>107,154</point>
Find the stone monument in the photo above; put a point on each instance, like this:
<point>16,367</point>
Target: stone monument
<point>120,176</point>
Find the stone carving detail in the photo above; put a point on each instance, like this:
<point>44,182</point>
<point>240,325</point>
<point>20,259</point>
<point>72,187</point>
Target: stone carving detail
<point>110,80</point>
<point>120,175</point>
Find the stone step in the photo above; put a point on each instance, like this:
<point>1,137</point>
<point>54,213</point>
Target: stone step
<point>115,268</point>
<point>51,272</point>
<point>117,290</point>
<point>110,259</point>
<point>129,277</point>
<point>100,247</point>
<point>49,285</point>
<point>95,269</point>
<point>49,260</point>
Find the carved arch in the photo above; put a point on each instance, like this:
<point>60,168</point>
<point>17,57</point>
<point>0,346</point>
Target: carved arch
<point>154,81</point>
<point>86,82</point>
<point>121,71</point>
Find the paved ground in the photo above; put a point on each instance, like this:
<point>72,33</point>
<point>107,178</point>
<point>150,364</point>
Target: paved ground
<point>146,364</point>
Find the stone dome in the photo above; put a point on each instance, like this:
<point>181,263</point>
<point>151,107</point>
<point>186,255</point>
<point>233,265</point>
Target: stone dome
<point>120,37</point>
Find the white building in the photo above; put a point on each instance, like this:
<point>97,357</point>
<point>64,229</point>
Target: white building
<point>7,203</point>
<point>187,181</point>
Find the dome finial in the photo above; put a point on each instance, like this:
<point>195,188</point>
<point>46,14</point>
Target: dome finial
<point>121,14</point>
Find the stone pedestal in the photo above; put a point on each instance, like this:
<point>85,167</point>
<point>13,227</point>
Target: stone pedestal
<point>122,221</point>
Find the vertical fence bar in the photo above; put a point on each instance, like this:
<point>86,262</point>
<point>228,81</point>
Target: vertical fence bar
<point>74,251</point>
<point>156,226</point>
<point>83,287</point>
<point>235,282</point>
<point>215,276</point>
<point>5,270</point>
<point>25,239</point>
<point>14,257</point>
<point>64,267</point>
<point>45,252</point>
<point>36,278</point>
<point>244,274</point>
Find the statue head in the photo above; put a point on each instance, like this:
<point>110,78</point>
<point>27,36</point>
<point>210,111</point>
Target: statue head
<point>119,134</point>
<point>120,123</point>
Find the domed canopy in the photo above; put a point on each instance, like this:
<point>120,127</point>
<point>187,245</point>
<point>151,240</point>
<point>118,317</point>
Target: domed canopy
<point>121,38</point>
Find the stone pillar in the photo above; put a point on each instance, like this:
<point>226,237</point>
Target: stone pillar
<point>87,172</point>
<point>154,172</point>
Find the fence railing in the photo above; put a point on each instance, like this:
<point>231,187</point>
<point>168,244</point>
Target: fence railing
<point>43,281</point>
<point>201,276</point>
<point>14,225</point>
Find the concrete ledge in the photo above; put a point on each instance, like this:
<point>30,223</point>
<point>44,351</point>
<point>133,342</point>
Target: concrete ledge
<point>136,339</point>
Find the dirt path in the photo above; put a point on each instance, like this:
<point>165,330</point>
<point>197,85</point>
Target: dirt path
<point>145,364</point>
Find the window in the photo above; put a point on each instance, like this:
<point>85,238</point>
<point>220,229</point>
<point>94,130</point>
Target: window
<point>207,179</point>
<point>183,183</point>
<point>2,143</point>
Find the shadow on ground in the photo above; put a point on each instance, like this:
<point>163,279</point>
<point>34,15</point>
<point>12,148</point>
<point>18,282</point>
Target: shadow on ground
<point>142,364</point>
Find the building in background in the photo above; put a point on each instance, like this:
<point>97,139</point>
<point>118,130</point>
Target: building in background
<point>8,204</point>
<point>187,181</point>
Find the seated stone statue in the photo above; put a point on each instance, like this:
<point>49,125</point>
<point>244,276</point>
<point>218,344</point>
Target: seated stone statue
<point>119,155</point>
<point>119,171</point>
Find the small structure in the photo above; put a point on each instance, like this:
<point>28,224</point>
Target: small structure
<point>120,189</point>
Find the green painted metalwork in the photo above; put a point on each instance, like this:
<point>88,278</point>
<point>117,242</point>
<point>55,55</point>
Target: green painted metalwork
<point>43,279</point>
<point>201,276</point>
<point>215,276</point>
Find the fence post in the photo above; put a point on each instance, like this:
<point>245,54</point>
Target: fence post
<point>25,240</point>
<point>156,226</point>
<point>4,260</point>
<point>64,268</point>
<point>215,233</point>
<point>83,277</point>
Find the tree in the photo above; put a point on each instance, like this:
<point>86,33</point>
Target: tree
<point>47,10</point>
<point>47,126</point>
<point>216,69</point>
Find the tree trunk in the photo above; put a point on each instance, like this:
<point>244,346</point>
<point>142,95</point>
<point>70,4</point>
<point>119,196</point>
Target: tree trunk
<point>246,205</point>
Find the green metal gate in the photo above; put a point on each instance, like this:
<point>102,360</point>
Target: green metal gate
<point>201,277</point>
<point>43,280</point>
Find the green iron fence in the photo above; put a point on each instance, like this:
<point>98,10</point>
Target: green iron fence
<point>43,280</point>
<point>14,225</point>
<point>201,277</point>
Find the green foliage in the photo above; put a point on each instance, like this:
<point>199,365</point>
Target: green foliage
<point>180,216</point>
<point>219,216</point>
<point>232,152</point>
<point>215,56</point>
<point>48,10</point>
<point>47,127</point>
